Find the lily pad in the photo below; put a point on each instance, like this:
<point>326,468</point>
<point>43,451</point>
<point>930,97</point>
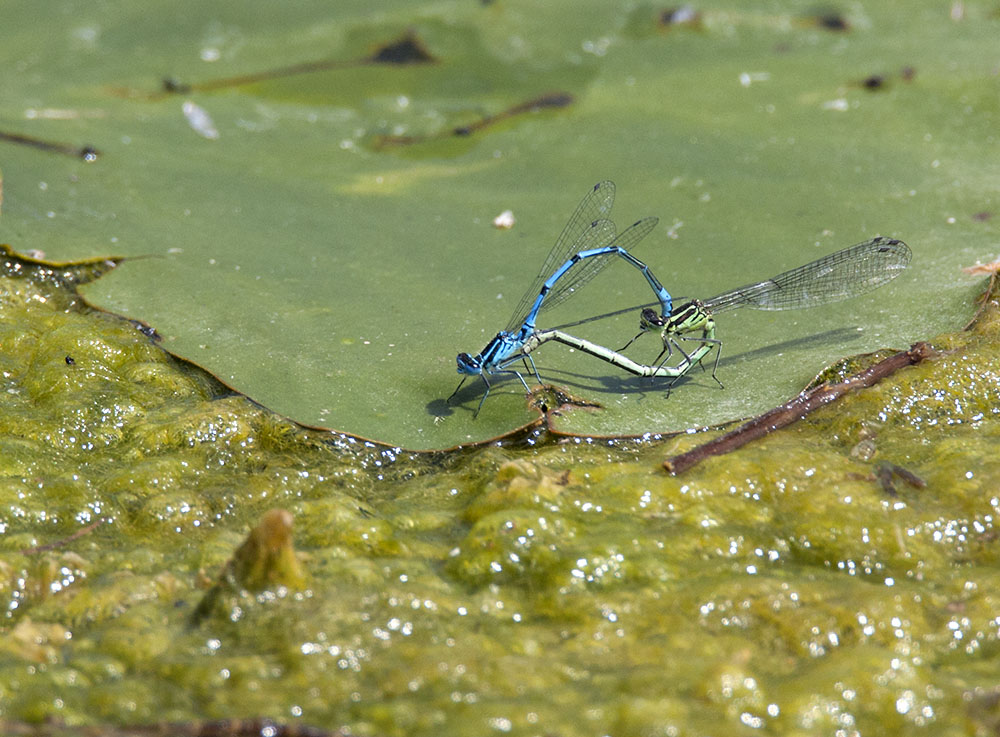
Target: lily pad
<point>334,278</point>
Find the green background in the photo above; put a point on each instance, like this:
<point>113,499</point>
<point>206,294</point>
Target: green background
<point>546,587</point>
<point>334,281</point>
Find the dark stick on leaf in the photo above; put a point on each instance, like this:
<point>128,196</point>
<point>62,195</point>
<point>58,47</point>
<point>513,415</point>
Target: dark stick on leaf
<point>87,153</point>
<point>534,105</point>
<point>408,49</point>
<point>548,100</point>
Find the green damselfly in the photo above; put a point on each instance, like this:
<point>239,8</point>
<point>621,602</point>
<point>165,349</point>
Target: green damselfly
<point>847,273</point>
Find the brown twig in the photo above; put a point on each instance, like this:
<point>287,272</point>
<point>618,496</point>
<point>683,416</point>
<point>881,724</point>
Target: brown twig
<point>985,300</point>
<point>886,473</point>
<point>406,50</point>
<point>550,100</point>
<point>66,540</point>
<point>87,153</point>
<point>796,409</point>
<point>219,728</point>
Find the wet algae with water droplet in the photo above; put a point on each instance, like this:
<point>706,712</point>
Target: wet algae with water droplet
<point>524,588</point>
<point>560,588</point>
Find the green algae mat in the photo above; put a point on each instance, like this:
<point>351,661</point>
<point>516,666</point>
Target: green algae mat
<point>302,201</point>
<point>176,560</point>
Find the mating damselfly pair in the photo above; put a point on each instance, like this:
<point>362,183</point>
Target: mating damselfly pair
<point>586,246</point>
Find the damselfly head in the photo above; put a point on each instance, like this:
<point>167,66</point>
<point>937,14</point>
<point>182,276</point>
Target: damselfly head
<point>468,364</point>
<point>649,319</point>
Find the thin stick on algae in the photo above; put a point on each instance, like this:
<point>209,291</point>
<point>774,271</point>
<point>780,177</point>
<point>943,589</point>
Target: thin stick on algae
<point>797,408</point>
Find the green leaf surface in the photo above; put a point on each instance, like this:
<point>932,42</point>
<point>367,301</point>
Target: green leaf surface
<point>333,277</point>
